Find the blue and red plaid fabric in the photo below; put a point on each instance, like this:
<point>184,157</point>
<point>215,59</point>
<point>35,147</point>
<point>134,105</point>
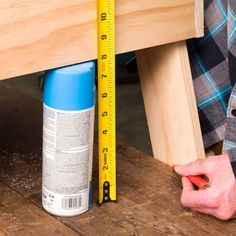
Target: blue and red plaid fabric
<point>213,65</point>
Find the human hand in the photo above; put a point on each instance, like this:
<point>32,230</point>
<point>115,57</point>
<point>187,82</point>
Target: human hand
<point>219,199</point>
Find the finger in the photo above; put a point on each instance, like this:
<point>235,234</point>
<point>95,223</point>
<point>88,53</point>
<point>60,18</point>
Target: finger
<point>208,211</point>
<point>194,198</point>
<point>194,168</point>
<point>214,212</point>
<point>234,216</point>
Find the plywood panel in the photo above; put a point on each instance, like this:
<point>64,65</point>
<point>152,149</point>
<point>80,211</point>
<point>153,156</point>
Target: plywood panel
<point>42,34</point>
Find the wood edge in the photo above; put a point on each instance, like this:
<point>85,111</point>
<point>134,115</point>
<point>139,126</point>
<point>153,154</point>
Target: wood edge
<point>140,55</point>
<point>191,98</point>
<point>199,18</point>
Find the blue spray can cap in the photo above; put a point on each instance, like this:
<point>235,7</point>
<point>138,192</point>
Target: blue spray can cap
<point>70,88</point>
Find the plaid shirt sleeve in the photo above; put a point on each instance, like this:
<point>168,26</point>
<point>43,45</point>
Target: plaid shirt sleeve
<point>230,133</point>
<point>213,65</point>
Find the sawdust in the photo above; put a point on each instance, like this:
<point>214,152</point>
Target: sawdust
<point>20,172</point>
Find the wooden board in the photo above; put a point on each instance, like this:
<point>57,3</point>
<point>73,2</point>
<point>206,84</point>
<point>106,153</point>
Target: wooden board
<point>38,35</point>
<point>199,19</point>
<point>20,217</point>
<point>170,103</point>
<point>148,190</point>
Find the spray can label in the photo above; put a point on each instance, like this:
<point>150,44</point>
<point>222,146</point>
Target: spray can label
<point>67,160</point>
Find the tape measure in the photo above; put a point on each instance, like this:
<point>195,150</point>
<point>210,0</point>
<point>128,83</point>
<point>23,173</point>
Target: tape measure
<point>106,101</point>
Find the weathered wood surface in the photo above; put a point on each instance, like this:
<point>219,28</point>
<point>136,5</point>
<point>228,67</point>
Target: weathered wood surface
<point>20,217</point>
<point>38,35</point>
<point>148,190</point>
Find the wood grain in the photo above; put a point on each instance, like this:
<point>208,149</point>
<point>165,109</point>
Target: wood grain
<point>170,103</point>
<point>199,19</point>
<point>148,190</point>
<point>38,35</point>
<point>20,217</point>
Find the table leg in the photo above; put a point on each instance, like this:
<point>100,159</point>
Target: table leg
<point>170,103</point>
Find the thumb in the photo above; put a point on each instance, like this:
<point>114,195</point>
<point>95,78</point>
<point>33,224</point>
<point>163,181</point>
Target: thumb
<point>193,168</point>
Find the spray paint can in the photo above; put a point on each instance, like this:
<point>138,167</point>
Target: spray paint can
<point>68,124</point>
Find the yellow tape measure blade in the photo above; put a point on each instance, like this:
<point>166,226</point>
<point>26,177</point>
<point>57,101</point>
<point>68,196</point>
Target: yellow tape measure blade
<point>106,101</point>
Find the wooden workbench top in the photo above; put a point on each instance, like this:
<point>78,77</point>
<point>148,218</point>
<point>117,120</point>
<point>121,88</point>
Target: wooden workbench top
<point>148,191</point>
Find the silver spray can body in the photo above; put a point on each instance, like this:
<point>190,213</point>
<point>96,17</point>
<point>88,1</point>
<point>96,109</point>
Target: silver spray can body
<point>68,125</point>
